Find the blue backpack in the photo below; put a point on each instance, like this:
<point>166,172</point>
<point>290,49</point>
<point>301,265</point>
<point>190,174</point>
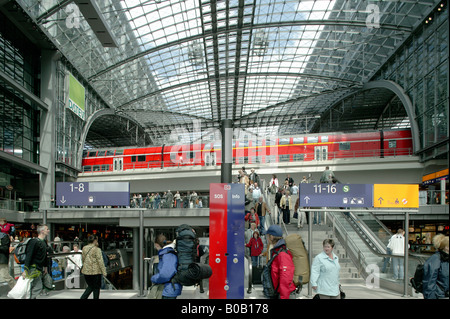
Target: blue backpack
<point>266,278</point>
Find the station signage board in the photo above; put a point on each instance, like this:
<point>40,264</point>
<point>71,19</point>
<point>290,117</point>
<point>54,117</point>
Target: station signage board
<point>359,195</point>
<point>396,195</point>
<point>93,194</point>
<point>336,195</point>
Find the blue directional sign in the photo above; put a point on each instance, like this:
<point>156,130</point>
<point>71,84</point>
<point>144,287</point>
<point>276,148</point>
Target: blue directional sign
<point>93,194</point>
<point>336,195</point>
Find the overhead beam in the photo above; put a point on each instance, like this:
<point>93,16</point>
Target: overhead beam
<point>95,19</point>
<point>244,27</point>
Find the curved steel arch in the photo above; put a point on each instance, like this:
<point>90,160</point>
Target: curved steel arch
<point>404,98</point>
<point>407,104</point>
<point>88,124</point>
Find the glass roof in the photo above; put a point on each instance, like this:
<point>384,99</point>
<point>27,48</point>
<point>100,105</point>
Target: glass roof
<point>261,63</point>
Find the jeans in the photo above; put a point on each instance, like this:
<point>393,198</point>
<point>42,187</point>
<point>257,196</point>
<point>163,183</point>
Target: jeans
<point>399,267</point>
<point>386,260</point>
<point>255,261</point>
<point>317,218</point>
<point>286,216</point>
<point>262,220</point>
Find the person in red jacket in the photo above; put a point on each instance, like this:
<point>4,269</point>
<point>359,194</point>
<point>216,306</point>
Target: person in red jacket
<point>282,266</point>
<point>252,217</point>
<point>256,247</point>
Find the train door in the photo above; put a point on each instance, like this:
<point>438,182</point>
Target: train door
<point>118,164</point>
<point>210,159</point>
<point>321,153</point>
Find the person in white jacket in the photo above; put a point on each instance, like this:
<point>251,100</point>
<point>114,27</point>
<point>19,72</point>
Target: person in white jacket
<point>397,246</point>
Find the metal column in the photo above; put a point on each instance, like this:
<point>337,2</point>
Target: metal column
<point>227,151</point>
<point>141,253</point>
<point>406,259</point>
<point>310,245</point>
<point>136,278</point>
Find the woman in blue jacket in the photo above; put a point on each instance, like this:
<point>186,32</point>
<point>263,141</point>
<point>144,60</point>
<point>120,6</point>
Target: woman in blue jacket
<point>435,270</point>
<point>167,268</point>
<point>325,272</point>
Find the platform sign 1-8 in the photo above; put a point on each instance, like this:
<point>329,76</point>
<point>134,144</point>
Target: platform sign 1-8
<point>336,195</point>
<point>93,194</point>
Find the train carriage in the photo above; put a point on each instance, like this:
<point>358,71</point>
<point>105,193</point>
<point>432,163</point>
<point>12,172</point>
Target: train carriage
<point>311,147</point>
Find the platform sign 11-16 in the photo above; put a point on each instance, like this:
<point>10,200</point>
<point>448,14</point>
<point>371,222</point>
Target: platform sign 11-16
<point>336,195</point>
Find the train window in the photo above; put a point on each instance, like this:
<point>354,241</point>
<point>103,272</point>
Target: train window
<point>119,152</point>
<point>101,153</point>
<point>257,143</point>
<point>344,146</point>
<point>256,159</point>
<point>110,153</point>
<point>245,160</point>
<point>284,141</point>
<point>297,140</point>
<point>87,168</point>
<point>105,167</point>
<point>85,153</point>
<point>299,157</point>
<point>270,142</point>
<point>96,168</point>
<point>392,143</point>
<point>92,153</point>
<point>324,139</point>
<point>284,158</point>
<point>271,158</point>
<point>141,158</point>
<point>243,143</point>
<point>313,139</point>
<point>133,158</point>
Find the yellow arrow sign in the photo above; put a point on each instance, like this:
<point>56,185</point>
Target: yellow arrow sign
<point>396,195</point>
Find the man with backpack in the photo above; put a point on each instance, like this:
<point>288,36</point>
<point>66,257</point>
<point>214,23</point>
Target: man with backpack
<point>167,268</point>
<point>36,261</point>
<point>281,264</point>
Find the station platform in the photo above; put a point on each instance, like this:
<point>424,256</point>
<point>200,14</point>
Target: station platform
<point>352,291</point>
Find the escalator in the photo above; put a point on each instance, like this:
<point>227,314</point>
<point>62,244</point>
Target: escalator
<point>365,239</point>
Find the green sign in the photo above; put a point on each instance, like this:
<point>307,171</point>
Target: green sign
<point>76,96</point>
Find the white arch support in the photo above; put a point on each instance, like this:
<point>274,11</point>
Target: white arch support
<point>407,104</point>
<point>87,126</point>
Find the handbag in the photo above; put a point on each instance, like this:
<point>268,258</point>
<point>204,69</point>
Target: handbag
<point>341,292</point>
<point>21,290</point>
<point>155,291</point>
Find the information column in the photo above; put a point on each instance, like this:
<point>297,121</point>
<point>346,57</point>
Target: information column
<point>226,228</point>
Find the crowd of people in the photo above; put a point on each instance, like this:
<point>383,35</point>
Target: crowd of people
<point>40,257</point>
<point>167,200</point>
<point>325,267</point>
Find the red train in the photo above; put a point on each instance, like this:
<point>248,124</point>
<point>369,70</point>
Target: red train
<point>309,147</point>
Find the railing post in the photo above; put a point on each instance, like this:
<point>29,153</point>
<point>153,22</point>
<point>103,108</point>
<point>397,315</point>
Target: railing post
<point>310,245</point>
<point>141,253</point>
<point>406,259</point>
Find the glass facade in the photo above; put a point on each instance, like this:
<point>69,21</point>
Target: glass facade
<point>262,64</point>
<point>69,126</point>
<point>421,68</point>
<point>19,117</point>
